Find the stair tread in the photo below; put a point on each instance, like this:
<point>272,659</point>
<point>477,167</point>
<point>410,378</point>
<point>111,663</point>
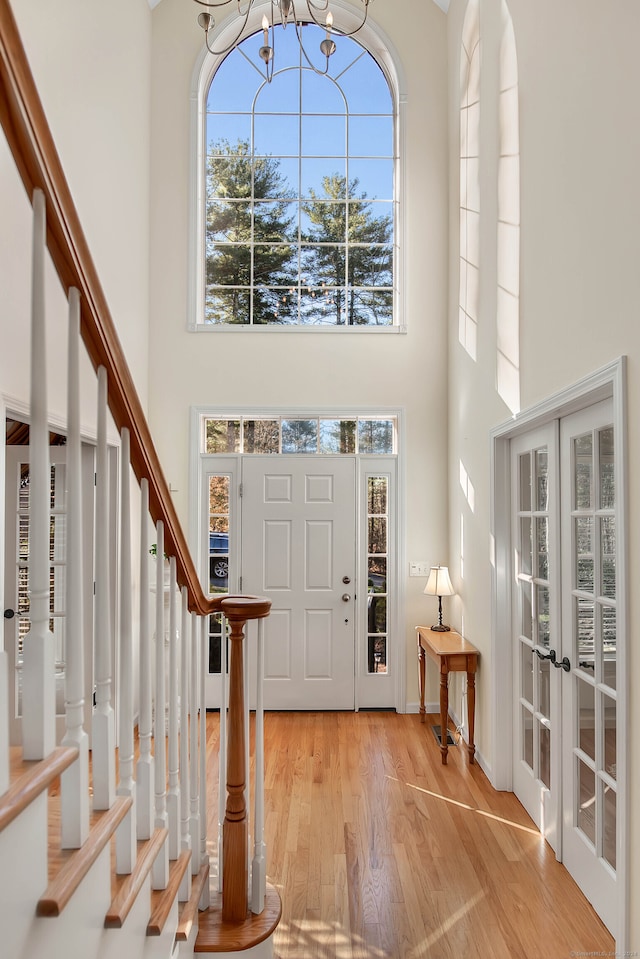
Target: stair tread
<point>216,935</point>
<point>73,865</point>
<point>162,899</point>
<point>125,889</point>
<point>189,909</point>
<point>30,778</point>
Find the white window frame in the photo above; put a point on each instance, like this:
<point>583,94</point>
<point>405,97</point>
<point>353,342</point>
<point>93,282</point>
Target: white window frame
<point>375,41</point>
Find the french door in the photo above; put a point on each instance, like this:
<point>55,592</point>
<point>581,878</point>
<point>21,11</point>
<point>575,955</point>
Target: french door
<point>16,588</point>
<point>563,493</point>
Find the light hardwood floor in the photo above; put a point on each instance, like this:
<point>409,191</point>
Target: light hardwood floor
<point>380,851</point>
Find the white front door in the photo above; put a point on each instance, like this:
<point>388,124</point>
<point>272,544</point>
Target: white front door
<point>299,550</point>
<point>590,736</point>
<point>536,627</point>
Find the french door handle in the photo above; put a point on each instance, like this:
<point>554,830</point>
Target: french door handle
<point>9,613</point>
<point>563,664</point>
<point>551,655</point>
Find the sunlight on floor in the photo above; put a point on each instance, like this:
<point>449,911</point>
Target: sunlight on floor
<point>446,925</point>
<point>462,805</point>
<point>298,935</point>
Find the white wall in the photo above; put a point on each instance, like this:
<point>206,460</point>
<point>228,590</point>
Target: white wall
<point>580,283</point>
<point>288,369</point>
<point>91,63</point>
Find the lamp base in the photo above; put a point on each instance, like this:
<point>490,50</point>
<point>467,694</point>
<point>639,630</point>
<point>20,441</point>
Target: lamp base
<point>441,629</point>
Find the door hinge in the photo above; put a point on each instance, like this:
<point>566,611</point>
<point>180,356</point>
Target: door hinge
<point>241,490</point>
<point>240,584</point>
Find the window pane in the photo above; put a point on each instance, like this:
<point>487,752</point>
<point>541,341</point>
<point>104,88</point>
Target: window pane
<point>607,469</point>
<point>526,546</point>
<point>377,487</point>
<point>370,266</point>
<point>526,624</point>
<point>227,126</point>
<point>544,687</point>
<point>276,135</point>
<point>542,619</point>
<point>608,634</point>
<point>276,222</point>
<point>371,177</point>
<point>584,628</point>
<point>377,534</point>
<point>377,613</point>
<point>226,307</point>
<point>584,553</point>
<point>366,88</point>
<point>586,812</point>
<point>608,555</point>
<point>610,735</point>
<point>583,452</point>
<point>542,542</point>
<point>323,179</point>
<point>324,136</point>
<point>586,704</point>
<point>526,667</point>
<point>525,481</point>
<point>337,436</point>
<point>218,495</point>
<point>377,574</point>
<point>261,436</point>
<point>282,95</point>
<point>377,658</point>
<point>222,436</point>
<point>325,222</point>
<point>371,136</point>
<point>542,479</point>
<point>228,265</point>
<point>527,736</point>
<point>375,436</point>
<point>227,221</point>
<point>322,306</point>
<point>609,838</point>
<point>544,759</point>
<point>299,436</point>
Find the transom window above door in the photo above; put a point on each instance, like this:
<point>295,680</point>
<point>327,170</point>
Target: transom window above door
<point>298,434</point>
<point>299,175</point>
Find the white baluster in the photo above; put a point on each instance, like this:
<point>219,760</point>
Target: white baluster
<point>222,751</point>
<point>194,818</point>
<point>103,723</point>
<point>144,768</point>
<point>185,798</point>
<point>205,898</point>
<point>126,833</point>
<point>259,865</point>
<point>173,795</point>
<point>74,783</point>
<point>160,871</point>
<point>38,685</point>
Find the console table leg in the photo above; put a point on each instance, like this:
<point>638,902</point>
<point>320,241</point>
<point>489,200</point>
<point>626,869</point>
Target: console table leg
<point>471,709</point>
<point>444,715</point>
<point>421,679</point>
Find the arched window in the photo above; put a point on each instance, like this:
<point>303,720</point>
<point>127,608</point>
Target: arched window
<point>300,208</point>
<point>508,262</point>
<point>469,179</point>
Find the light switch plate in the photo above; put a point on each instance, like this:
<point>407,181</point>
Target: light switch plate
<point>419,569</point>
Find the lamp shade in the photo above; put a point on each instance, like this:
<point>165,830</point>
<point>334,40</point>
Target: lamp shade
<point>439,583</point>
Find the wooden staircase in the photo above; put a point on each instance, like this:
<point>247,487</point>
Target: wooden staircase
<point>102,858</point>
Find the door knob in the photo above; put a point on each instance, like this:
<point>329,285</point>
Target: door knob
<point>9,613</point>
<point>345,597</point>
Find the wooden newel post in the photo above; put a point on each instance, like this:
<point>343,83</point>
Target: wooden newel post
<point>235,903</point>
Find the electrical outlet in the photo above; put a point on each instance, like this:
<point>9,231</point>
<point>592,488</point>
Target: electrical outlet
<point>419,569</point>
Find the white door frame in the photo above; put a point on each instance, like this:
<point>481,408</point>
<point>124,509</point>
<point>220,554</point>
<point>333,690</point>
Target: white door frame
<point>197,467</point>
<point>608,382</point>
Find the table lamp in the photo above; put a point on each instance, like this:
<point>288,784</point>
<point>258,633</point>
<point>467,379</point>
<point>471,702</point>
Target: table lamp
<point>439,585</point>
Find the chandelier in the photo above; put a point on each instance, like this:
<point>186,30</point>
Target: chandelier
<point>284,12</point>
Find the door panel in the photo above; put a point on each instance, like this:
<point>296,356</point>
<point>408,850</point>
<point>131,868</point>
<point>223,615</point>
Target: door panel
<point>589,630</point>
<point>536,628</point>
<point>298,542</point>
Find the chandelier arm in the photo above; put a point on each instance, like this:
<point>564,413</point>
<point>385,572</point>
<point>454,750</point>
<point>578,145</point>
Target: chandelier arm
<point>236,39</point>
<point>321,73</point>
<point>351,33</point>
<point>221,3</point>
<point>321,7</point>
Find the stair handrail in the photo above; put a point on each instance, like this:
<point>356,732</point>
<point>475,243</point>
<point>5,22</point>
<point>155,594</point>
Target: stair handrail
<point>31,143</point>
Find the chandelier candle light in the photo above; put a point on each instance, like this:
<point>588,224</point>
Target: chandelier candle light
<point>439,584</point>
<point>284,11</point>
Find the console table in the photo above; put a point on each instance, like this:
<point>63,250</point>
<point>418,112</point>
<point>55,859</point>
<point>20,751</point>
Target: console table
<point>452,654</point>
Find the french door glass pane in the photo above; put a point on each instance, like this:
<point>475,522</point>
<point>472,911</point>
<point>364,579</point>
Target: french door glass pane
<point>527,736</point>
<point>526,626</point>
<point>584,553</point>
<point>542,618</point>
<point>526,546</point>
<point>525,481</point>
<point>544,755</point>
<point>586,799</point>
<point>544,686</point>
<point>527,673</point>
<point>583,454</point>
<point>607,469</point>
<point>586,702</point>
<point>608,556</point>
<point>608,634</point>
<point>542,479</point>
<point>609,735</point>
